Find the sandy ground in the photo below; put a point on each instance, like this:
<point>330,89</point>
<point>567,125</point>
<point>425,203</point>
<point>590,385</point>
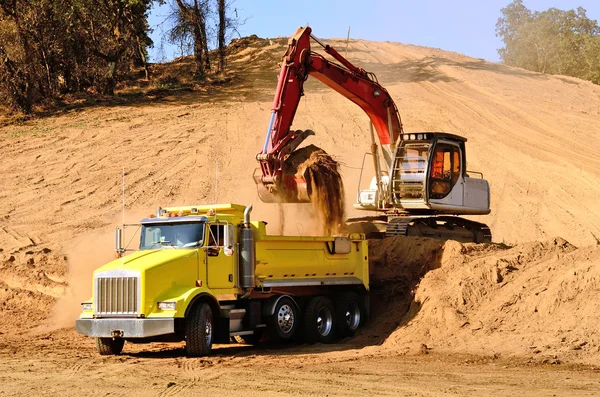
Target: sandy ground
<point>318,371</point>
<point>516,316</point>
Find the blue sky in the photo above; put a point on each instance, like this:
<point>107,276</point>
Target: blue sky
<point>466,26</point>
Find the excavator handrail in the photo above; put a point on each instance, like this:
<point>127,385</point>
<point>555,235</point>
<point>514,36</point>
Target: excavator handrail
<point>475,172</point>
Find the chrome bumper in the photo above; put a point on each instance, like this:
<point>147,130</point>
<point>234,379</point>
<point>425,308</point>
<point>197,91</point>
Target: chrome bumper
<point>125,327</point>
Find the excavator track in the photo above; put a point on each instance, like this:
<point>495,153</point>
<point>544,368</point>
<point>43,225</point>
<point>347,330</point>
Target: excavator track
<point>438,227</point>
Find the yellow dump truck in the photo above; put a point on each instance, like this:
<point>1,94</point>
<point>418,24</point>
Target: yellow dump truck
<point>208,274</point>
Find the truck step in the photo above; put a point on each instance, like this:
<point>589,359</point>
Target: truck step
<point>237,333</point>
<point>232,313</point>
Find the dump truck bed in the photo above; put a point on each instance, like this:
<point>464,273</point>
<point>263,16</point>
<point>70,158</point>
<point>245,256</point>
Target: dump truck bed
<point>290,261</point>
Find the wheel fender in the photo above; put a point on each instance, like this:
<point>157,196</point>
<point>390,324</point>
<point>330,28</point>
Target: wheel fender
<point>269,307</point>
<point>207,298</point>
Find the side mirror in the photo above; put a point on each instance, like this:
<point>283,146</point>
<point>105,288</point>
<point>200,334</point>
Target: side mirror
<point>119,242</point>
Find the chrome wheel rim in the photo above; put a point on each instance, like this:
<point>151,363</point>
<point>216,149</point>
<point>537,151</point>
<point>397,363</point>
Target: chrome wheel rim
<point>208,332</point>
<point>352,316</point>
<point>324,321</point>
<point>285,318</point>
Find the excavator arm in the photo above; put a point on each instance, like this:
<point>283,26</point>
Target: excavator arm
<point>354,83</point>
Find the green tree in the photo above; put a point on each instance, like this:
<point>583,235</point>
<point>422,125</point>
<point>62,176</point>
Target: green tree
<point>552,41</point>
<point>51,47</point>
<point>591,59</point>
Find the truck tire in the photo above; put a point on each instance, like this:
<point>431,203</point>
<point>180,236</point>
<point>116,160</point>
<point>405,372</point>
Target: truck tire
<point>348,314</point>
<point>282,324</point>
<point>319,320</point>
<point>199,329</point>
<point>109,346</point>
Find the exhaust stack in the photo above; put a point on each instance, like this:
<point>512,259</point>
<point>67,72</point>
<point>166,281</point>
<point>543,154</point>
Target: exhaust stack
<point>247,252</point>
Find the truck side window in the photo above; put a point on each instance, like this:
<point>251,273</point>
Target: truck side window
<point>216,239</point>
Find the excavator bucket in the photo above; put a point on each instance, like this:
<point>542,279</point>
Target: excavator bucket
<point>292,188</point>
<point>307,174</point>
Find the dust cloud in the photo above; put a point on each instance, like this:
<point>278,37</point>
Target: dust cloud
<point>86,254</point>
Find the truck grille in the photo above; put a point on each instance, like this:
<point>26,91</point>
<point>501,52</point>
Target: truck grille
<point>117,295</point>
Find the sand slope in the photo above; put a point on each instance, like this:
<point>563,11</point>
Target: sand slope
<point>537,300</point>
<point>534,137</point>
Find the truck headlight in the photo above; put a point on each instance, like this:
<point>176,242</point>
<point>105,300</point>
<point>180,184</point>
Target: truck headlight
<point>167,305</point>
<point>86,306</point>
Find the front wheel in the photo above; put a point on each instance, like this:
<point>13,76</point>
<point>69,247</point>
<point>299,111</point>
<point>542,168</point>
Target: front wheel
<point>319,323</point>
<point>109,346</point>
<point>199,331</point>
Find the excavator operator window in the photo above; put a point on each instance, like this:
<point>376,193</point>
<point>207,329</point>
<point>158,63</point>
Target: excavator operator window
<point>445,170</point>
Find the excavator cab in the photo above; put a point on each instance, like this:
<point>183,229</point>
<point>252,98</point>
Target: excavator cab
<point>429,176</point>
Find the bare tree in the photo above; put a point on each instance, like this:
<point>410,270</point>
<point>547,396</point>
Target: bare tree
<point>222,26</point>
<point>193,13</point>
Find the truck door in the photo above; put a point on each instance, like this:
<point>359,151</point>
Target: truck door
<point>220,266</point>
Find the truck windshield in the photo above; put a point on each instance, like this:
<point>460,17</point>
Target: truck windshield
<point>172,235</point>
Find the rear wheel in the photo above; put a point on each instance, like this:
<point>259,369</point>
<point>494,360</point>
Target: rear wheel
<point>319,323</point>
<point>199,331</point>
<point>282,324</point>
<point>348,313</point>
<point>109,346</point>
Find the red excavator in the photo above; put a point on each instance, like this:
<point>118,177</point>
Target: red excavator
<point>423,183</point>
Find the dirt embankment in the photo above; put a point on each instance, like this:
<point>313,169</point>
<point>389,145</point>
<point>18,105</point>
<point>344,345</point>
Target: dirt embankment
<point>536,300</point>
<point>535,138</point>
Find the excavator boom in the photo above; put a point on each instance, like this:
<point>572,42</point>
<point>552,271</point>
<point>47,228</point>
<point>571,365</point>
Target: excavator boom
<point>354,83</point>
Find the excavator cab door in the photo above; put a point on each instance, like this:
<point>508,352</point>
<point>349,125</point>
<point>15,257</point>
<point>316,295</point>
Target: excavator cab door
<point>445,175</point>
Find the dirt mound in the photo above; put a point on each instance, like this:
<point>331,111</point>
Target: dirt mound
<point>396,264</point>
<point>324,184</point>
<point>538,300</point>
<point>31,280</point>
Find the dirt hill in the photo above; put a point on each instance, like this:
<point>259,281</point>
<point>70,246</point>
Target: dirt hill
<point>535,138</point>
<point>536,300</point>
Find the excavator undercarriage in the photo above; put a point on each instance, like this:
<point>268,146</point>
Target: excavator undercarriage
<point>438,227</point>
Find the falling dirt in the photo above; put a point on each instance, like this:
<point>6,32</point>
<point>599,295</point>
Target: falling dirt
<point>324,185</point>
